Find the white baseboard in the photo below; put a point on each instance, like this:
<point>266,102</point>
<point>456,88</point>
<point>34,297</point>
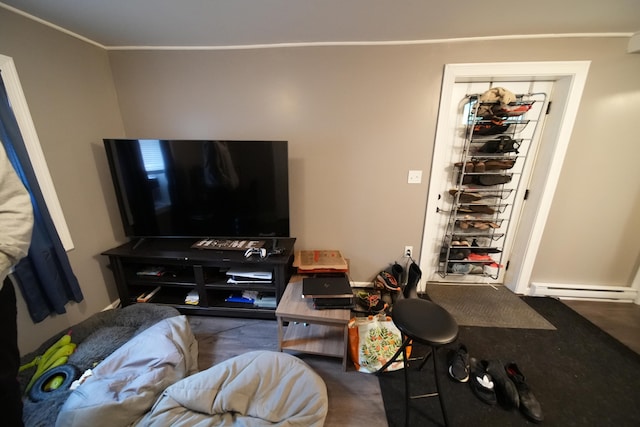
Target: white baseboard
<point>590,292</point>
<point>361,284</point>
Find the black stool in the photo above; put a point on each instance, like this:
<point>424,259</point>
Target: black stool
<point>423,321</point>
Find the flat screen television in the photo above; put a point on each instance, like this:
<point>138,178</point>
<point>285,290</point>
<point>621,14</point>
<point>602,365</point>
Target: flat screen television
<point>201,188</point>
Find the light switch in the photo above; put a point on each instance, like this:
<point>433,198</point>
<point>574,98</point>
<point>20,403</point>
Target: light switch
<point>415,177</point>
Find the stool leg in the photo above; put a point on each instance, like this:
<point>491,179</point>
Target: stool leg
<point>434,356</point>
<point>425,360</point>
<point>407,397</point>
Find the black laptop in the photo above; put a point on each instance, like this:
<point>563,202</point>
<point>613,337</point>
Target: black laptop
<point>332,303</point>
<point>329,287</point>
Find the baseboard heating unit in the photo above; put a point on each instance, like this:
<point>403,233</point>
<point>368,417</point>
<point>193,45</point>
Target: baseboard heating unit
<point>590,292</point>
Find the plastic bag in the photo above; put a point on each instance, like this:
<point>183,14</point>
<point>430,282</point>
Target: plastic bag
<point>373,340</point>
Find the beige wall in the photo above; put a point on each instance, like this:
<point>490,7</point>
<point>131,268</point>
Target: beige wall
<point>357,118</point>
<point>70,93</point>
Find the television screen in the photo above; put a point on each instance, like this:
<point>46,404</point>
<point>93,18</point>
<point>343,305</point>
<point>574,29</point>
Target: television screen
<point>201,188</point>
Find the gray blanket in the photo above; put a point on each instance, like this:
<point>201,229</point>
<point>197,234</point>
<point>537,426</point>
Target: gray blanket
<point>126,384</point>
<point>255,389</point>
<point>97,337</point>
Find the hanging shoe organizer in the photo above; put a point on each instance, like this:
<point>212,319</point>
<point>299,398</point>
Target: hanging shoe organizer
<point>485,181</point>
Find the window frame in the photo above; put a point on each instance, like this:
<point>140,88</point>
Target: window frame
<point>32,142</point>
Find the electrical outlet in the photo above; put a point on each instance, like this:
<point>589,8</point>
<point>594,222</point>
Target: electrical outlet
<point>408,251</point>
<point>414,177</point>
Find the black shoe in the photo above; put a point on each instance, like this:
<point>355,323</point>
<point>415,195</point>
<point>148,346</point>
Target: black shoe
<point>396,272</point>
<point>506,390</point>
<point>459,364</point>
<point>529,405</point>
<point>481,382</point>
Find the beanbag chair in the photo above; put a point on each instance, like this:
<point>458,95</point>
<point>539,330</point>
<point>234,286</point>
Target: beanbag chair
<point>259,388</point>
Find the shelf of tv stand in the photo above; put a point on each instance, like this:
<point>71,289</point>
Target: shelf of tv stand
<point>204,270</point>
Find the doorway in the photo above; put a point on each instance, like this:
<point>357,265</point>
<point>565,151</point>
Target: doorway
<point>563,83</point>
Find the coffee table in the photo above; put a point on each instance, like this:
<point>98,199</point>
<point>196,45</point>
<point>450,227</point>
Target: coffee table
<point>322,332</point>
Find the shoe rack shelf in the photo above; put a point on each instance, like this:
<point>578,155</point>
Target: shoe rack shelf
<point>485,178</point>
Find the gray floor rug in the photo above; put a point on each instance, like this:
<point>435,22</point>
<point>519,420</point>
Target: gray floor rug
<point>486,305</point>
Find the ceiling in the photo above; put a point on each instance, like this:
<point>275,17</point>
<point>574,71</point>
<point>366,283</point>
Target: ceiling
<point>222,23</point>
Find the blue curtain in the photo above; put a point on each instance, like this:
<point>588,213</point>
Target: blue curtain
<point>44,277</point>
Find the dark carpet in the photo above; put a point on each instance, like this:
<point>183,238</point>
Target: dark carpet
<point>581,376</point>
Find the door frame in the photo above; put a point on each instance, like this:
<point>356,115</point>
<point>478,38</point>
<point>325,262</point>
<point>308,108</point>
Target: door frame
<point>569,80</point>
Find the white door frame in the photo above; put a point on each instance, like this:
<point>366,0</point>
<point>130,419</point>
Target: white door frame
<point>569,80</point>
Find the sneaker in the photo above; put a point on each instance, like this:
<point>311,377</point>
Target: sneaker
<point>459,364</point>
<point>371,301</point>
<point>481,381</point>
<point>385,280</point>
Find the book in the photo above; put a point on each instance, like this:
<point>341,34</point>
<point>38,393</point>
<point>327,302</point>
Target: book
<point>247,297</point>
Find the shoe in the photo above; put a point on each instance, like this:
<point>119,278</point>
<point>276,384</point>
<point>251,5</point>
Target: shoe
<point>485,209</point>
<point>465,197</point>
<point>459,364</point>
<point>506,390</point>
<point>462,243</point>
<point>481,382</point>
<point>478,167</point>
<point>371,301</point>
<point>468,166</point>
<point>459,254</point>
<point>460,268</point>
<point>479,257</point>
<point>493,179</point>
<point>480,225</point>
<point>385,280</point>
<point>396,271</point>
<point>529,405</point>
<point>491,165</point>
<point>476,269</point>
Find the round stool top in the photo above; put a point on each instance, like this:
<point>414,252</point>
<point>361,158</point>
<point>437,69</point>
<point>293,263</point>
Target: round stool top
<point>424,321</point>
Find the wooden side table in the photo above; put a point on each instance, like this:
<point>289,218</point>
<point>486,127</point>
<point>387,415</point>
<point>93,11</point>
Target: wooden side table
<point>322,332</point>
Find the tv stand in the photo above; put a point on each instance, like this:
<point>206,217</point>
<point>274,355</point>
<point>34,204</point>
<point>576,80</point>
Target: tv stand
<point>179,270</point>
<point>138,243</point>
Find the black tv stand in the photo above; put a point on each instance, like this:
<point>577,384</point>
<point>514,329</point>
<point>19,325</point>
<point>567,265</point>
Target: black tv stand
<point>180,270</point>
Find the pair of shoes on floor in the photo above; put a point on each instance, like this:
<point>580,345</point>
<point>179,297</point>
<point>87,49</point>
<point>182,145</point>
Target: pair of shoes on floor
<point>510,387</point>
